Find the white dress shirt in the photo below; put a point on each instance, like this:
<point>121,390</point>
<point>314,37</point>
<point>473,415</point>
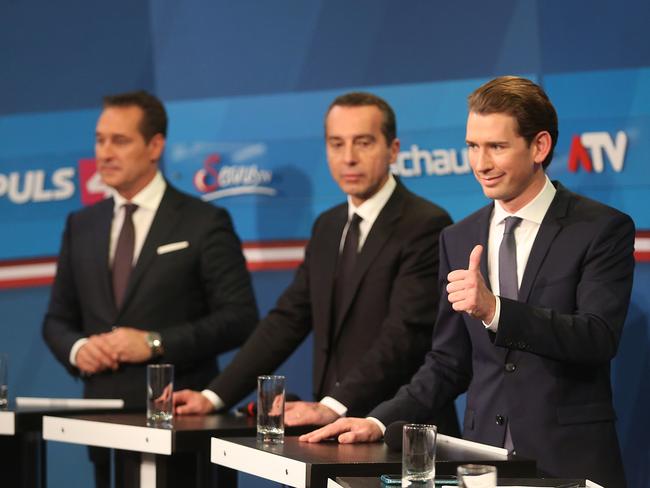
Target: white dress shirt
<point>148,200</point>
<point>532,215</point>
<point>369,211</point>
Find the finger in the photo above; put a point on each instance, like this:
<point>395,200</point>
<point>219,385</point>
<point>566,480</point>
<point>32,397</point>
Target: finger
<point>97,355</point>
<point>456,275</point>
<point>186,409</point>
<point>288,406</point>
<point>181,397</point>
<point>351,437</point>
<point>322,433</point>
<point>475,258</point>
<point>102,343</point>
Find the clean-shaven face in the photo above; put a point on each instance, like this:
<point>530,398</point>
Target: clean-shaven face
<point>507,167</point>
<point>125,160</point>
<point>357,153</point>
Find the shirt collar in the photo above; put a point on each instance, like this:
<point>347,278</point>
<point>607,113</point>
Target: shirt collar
<point>149,197</point>
<point>369,210</point>
<point>533,211</point>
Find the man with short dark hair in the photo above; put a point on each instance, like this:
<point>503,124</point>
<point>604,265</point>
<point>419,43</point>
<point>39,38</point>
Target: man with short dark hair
<point>366,287</point>
<point>534,292</point>
<point>149,275</point>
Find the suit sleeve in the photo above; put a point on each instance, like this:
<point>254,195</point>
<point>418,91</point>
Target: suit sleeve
<point>274,339</point>
<point>230,310</point>
<point>590,332</point>
<point>62,324</point>
<point>447,368</point>
<point>406,331</point>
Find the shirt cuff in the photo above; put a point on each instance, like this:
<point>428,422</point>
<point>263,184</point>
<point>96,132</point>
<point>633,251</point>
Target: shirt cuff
<point>494,325</point>
<point>381,426</point>
<point>335,405</point>
<point>216,402</point>
<point>75,349</point>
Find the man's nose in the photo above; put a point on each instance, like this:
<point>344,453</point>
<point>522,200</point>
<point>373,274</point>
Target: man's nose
<point>104,150</point>
<point>482,160</point>
<point>350,154</point>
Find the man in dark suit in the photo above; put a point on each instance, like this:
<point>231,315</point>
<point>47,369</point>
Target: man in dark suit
<point>529,327</point>
<point>150,275</point>
<point>371,309</point>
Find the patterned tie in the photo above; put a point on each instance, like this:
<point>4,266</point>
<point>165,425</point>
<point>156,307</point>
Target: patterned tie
<point>123,259</point>
<point>346,262</point>
<point>508,283</point>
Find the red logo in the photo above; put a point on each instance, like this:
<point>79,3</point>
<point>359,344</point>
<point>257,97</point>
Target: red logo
<point>592,150</point>
<point>93,190</point>
<point>207,179</point>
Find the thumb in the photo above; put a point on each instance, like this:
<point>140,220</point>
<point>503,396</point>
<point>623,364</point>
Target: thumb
<point>475,258</point>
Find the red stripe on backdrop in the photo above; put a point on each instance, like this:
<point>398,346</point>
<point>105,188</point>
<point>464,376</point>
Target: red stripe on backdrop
<point>281,255</point>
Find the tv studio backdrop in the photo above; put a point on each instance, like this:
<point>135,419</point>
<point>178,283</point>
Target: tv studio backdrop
<point>246,85</point>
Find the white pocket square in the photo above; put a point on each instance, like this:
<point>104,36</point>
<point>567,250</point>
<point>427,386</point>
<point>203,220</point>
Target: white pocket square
<point>174,246</point>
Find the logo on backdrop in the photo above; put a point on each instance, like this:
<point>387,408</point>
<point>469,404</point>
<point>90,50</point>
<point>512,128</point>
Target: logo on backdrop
<point>591,149</point>
<point>93,190</point>
<point>437,162</point>
<point>35,186</point>
<point>216,180</point>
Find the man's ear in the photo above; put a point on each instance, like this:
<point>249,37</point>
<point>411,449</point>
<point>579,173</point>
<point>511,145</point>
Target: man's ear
<point>156,147</point>
<point>541,146</point>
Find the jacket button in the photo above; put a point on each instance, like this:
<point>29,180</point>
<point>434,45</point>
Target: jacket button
<point>337,384</point>
<point>500,420</point>
<point>510,367</point>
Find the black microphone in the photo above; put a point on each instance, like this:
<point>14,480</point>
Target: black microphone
<point>250,409</point>
<point>393,435</point>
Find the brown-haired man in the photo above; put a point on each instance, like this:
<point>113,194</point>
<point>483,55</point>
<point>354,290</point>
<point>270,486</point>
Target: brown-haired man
<point>528,320</point>
<point>149,275</point>
<point>372,317</point>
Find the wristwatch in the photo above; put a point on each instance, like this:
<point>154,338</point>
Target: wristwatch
<point>155,344</point>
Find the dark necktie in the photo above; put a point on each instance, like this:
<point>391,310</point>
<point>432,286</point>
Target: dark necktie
<point>508,283</point>
<point>346,262</point>
<point>123,259</point>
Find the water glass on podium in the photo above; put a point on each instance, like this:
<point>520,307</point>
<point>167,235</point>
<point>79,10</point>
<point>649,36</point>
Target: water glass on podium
<point>270,409</point>
<point>160,395</point>
<point>418,454</point>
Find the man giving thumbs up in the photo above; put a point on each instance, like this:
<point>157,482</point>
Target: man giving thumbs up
<point>534,292</point>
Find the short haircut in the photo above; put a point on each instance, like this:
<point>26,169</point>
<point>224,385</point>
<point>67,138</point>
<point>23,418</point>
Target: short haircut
<point>522,99</point>
<point>154,119</point>
<point>364,99</point>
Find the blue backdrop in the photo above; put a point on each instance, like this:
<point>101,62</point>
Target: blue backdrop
<point>246,85</point>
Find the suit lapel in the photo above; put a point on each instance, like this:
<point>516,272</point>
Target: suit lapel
<point>381,230</point>
<point>102,239</point>
<point>164,222</point>
<point>326,250</point>
<point>547,231</point>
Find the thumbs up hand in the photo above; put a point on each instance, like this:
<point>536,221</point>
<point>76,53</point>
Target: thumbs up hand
<point>467,291</point>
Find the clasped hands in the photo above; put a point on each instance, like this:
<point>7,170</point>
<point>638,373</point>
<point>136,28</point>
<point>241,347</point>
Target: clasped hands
<point>106,351</point>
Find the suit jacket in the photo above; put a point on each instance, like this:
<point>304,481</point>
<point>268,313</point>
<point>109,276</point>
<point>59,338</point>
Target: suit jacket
<point>381,335</point>
<point>198,298</point>
<point>546,371</point>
